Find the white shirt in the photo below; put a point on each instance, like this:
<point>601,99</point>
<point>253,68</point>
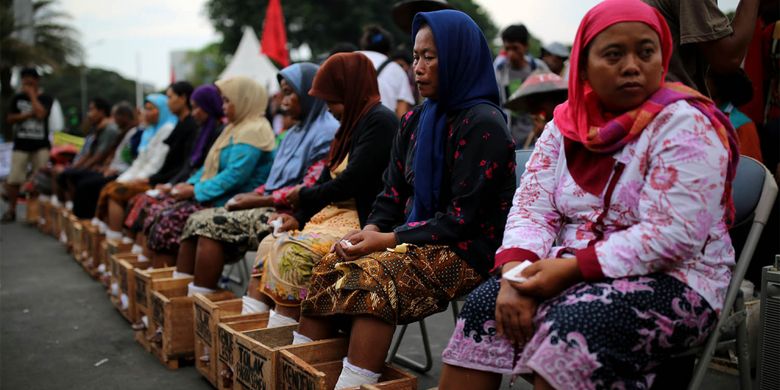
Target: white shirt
<point>393,81</point>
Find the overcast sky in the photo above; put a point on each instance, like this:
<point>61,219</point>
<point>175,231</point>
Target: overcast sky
<point>114,32</point>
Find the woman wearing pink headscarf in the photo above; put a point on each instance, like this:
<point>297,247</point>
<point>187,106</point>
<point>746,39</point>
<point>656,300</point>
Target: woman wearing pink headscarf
<point>621,220</point>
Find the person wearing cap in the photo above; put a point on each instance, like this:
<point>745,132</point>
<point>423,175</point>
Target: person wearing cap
<point>555,55</point>
<point>512,67</point>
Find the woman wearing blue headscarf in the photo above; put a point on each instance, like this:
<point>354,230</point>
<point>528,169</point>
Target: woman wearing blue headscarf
<point>436,225</point>
<point>152,152</point>
<point>225,234</point>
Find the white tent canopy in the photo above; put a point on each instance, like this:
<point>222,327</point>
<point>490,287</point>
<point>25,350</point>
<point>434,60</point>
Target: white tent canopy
<point>248,61</point>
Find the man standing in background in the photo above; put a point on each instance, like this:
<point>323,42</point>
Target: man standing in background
<point>29,116</point>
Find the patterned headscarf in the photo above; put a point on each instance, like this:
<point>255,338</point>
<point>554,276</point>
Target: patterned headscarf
<point>581,118</point>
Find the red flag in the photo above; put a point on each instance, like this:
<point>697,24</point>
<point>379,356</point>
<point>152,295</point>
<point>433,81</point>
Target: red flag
<point>274,42</point>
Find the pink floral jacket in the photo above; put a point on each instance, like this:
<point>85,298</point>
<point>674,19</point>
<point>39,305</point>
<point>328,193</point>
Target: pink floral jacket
<point>664,209</point>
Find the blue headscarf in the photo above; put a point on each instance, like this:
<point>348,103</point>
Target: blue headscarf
<point>466,78</point>
<point>307,142</point>
<point>166,117</point>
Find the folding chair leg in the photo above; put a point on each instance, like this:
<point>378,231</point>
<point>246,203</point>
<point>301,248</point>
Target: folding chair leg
<point>455,311</point>
<point>743,350</point>
<point>407,362</point>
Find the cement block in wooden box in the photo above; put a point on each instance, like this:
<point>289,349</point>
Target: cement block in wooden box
<point>226,344</point>
<point>207,314</point>
<point>172,318</point>
<point>317,367</point>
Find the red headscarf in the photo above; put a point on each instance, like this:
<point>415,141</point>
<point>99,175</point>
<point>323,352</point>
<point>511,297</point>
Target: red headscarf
<point>590,138</point>
<point>575,117</point>
<point>350,79</point>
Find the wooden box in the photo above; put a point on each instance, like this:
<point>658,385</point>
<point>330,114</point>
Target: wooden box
<point>146,280</point>
<point>207,316</point>
<point>32,210</point>
<point>113,247</point>
<point>96,244</point>
<point>125,300</point>
<point>257,356</point>
<point>172,317</point>
<point>44,221</point>
<point>55,213</point>
<point>76,239</point>
<point>317,366</point>
<point>226,344</point>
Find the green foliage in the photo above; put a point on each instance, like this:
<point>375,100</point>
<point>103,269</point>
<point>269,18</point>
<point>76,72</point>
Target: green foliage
<point>55,45</point>
<point>321,23</point>
<point>64,85</point>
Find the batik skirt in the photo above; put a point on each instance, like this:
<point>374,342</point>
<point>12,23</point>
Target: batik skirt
<point>606,335</point>
<point>118,192</point>
<point>398,288</point>
<point>240,230</point>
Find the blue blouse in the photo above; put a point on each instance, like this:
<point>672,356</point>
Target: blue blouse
<point>242,168</point>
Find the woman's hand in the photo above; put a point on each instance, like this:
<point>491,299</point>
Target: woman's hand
<point>549,277</point>
<point>294,197</point>
<point>163,188</point>
<point>363,242</point>
<point>514,314</point>
<point>183,191</point>
<point>245,201</point>
<point>288,222</point>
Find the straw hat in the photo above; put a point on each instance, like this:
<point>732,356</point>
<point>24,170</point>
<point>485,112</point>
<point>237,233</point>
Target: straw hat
<point>537,85</point>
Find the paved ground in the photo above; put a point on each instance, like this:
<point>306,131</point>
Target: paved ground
<point>56,324</point>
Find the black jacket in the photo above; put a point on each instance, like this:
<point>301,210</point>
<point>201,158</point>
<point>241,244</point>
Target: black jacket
<point>369,155</point>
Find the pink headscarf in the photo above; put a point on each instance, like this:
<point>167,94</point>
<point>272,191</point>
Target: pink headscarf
<point>576,117</point>
<point>590,138</point>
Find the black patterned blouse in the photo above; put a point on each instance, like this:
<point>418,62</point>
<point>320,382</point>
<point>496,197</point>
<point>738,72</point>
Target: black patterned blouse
<point>476,192</point>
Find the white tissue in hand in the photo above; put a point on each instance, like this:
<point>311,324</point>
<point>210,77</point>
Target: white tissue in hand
<point>347,243</point>
<point>277,224</point>
<point>153,193</point>
<point>174,191</point>
<point>514,273</point>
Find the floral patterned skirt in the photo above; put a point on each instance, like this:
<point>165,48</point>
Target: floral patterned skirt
<point>143,208</point>
<point>398,288</point>
<point>241,230</point>
<point>167,226</point>
<point>610,334</point>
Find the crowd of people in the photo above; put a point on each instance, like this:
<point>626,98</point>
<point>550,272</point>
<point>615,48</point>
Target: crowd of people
<point>391,191</point>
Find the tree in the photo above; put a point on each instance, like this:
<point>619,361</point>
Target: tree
<point>55,44</point>
<point>207,63</point>
<point>321,23</point>
<point>102,83</point>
